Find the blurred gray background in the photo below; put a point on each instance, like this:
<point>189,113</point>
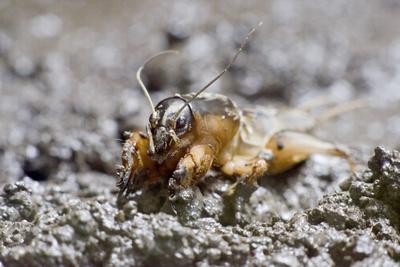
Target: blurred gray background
<point>67,70</point>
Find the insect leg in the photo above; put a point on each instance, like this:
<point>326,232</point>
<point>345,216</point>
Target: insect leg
<point>192,167</point>
<point>249,169</point>
<point>340,109</point>
<point>315,103</point>
<point>136,164</point>
<point>290,148</point>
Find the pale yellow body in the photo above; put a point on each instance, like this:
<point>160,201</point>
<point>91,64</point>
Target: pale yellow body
<point>279,138</point>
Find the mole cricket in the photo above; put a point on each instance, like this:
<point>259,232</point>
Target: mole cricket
<point>189,134</point>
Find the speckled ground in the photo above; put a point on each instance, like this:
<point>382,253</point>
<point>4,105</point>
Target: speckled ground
<point>79,223</point>
<point>67,93</point>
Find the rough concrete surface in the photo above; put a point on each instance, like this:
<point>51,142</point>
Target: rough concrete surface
<point>68,92</point>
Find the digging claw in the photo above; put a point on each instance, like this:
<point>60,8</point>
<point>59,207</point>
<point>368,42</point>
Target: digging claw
<point>123,175</point>
<point>127,172</point>
<point>180,174</point>
<point>174,183</point>
<point>173,187</point>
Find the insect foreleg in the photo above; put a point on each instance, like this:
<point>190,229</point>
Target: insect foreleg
<point>137,168</point>
<point>193,166</point>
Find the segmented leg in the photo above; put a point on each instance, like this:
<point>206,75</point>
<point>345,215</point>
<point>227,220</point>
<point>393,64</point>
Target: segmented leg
<point>192,167</point>
<point>249,169</point>
<point>290,148</point>
<point>137,168</point>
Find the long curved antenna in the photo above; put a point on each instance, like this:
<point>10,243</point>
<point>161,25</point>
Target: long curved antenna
<point>139,73</point>
<point>243,44</point>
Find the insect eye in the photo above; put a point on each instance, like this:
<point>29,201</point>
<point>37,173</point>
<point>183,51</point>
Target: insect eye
<point>180,123</point>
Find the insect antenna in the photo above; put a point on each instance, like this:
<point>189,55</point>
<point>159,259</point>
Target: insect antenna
<point>242,45</point>
<point>139,73</point>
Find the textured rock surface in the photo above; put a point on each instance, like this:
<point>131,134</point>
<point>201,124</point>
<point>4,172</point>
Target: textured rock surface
<point>82,225</point>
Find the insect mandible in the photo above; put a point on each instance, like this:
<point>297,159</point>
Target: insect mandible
<point>189,134</point>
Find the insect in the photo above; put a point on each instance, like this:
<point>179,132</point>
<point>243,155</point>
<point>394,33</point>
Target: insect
<point>189,134</point>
